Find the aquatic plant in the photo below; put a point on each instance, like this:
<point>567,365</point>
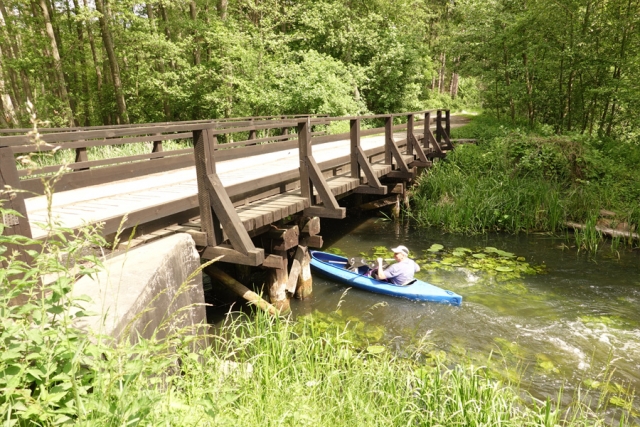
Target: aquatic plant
<point>501,264</point>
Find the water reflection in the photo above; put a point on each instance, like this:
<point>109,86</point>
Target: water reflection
<point>556,330</point>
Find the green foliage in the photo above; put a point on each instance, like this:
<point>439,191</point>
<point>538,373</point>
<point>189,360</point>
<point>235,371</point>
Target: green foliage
<point>514,180</point>
<point>572,66</point>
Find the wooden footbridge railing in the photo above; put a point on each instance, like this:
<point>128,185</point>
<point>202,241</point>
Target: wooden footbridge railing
<point>233,207</point>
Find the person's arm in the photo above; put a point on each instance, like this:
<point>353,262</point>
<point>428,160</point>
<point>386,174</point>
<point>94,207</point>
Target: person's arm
<point>380,271</point>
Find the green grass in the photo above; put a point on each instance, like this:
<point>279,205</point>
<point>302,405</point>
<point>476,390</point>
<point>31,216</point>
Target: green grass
<point>518,179</point>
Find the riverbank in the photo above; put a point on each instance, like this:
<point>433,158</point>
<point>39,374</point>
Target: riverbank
<point>517,179</point>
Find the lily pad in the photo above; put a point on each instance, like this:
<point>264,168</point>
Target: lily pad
<point>505,254</point>
<point>435,247</point>
<point>490,249</point>
<point>458,253</point>
<point>479,256</point>
<point>503,269</point>
<point>462,250</point>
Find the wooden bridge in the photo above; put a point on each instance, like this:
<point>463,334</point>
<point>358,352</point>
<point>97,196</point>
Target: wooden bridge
<point>257,190</point>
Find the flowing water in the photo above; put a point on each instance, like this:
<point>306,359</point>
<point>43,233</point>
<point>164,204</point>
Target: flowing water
<point>576,325</point>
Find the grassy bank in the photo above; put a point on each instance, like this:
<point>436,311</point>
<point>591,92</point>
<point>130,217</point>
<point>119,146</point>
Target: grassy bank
<point>519,179</point>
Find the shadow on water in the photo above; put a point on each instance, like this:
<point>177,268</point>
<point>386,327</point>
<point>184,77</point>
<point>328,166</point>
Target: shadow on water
<point>575,325</point>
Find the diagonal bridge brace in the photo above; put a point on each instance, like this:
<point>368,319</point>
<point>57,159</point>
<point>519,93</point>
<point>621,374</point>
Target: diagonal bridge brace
<point>391,151</point>
<point>413,144</point>
<point>217,211</point>
<point>359,163</point>
<point>311,176</point>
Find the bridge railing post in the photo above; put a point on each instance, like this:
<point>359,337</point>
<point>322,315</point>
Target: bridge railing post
<point>426,141</point>
<point>12,199</point>
<point>252,132</point>
<point>285,130</point>
<point>439,126</point>
<point>388,140</point>
<point>203,148</point>
<point>311,177</point>
<point>448,122</point>
<point>304,151</point>
<point>409,133</point>
<point>355,145</point>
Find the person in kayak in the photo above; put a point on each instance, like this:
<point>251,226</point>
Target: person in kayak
<point>400,273</point>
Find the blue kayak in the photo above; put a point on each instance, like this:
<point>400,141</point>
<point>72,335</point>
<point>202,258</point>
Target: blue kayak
<point>335,267</point>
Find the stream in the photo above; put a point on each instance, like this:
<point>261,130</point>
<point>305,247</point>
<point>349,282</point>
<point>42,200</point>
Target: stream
<point>575,325</point>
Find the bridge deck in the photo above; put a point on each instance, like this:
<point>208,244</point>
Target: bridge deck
<point>175,191</point>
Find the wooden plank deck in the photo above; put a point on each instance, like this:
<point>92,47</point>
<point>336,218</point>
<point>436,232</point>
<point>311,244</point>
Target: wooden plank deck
<point>175,191</point>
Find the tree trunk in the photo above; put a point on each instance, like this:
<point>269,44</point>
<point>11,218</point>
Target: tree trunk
<point>13,53</point>
<point>96,65</point>
<point>152,24</point>
<point>443,58</point>
<point>193,11</point>
<point>507,82</point>
<point>86,98</point>
<point>113,62</point>
<point>57,63</point>
<point>223,5</point>
<point>7,114</point>
<point>529,86</point>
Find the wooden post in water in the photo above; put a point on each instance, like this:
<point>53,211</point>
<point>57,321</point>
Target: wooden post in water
<point>305,280</point>
<point>278,279</point>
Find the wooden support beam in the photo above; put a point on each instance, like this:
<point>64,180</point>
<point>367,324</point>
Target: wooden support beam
<point>81,156</point>
<point>312,241</point>
<point>273,261</point>
<point>12,199</point>
<point>304,147</point>
<point>354,137</point>
<point>227,215</point>
<point>311,176</point>
<point>377,204</point>
<point>420,164</point>
<point>203,148</point>
<point>296,269</point>
<point>254,257</point>
<point>372,180</point>
<point>432,144</point>
<point>11,196</point>
<point>311,226</point>
<point>237,287</point>
<point>284,238</point>
<point>391,149</point>
<point>305,280</point>
<point>400,174</point>
<point>410,134</point>
<point>326,213</point>
<point>278,281</point>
